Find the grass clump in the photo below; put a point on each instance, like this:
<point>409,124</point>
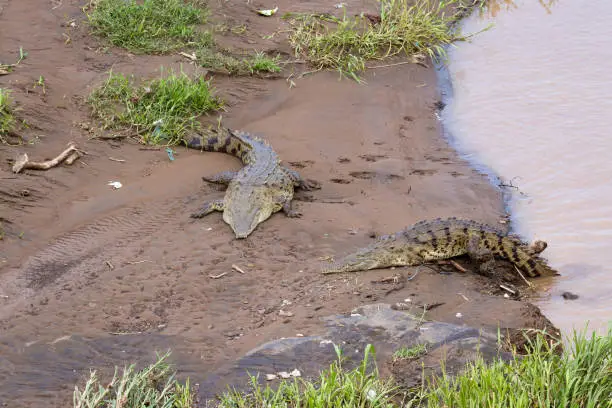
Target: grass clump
<point>336,387</point>
<point>160,111</point>
<point>581,377</point>
<point>7,120</point>
<point>149,26</point>
<point>406,353</point>
<point>346,43</point>
<point>253,64</point>
<point>154,387</point>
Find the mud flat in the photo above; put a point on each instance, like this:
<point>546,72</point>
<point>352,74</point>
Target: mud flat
<point>93,276</point>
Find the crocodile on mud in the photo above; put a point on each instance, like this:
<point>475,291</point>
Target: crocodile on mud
<point>438,239</point>
<point>255,192</point>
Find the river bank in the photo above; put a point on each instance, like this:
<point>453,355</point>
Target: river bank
<point>120,274</point>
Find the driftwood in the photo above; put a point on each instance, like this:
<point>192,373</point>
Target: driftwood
<point>70,155</point>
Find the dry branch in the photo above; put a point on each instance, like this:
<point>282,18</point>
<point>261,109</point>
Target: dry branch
<point>69,155</point>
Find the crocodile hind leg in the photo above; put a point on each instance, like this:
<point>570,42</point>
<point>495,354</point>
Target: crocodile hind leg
<point>484,257</point>
<point>211,206</point>
<point>300,182</point>
<point>221,178</point>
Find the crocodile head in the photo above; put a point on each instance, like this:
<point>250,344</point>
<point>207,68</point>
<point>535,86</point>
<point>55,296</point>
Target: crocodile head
<point>246,207</point>
<point>383,253</point>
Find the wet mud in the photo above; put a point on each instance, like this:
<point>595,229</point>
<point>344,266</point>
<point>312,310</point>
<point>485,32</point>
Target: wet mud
<point>127,273</point>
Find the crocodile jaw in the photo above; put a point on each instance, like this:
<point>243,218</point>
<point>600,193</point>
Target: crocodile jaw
<point>353,263</point>
<point>244,222</point>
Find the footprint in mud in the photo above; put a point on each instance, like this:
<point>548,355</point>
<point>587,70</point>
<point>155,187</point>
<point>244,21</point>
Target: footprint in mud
<point>87,247</point>
<point>363,175</point>
<point>443,159</point>
<point>301,164</point>
<point>423,172</point>
<point>340,181</point>
<point>373,157</point>
<point>369,175</point>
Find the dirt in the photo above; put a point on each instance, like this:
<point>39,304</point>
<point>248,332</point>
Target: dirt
<point>81,258</point>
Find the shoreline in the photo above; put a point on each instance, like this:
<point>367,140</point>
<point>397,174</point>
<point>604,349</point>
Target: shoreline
<point>399,159</point>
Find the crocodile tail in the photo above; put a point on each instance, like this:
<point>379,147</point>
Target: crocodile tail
<point>223,141</point>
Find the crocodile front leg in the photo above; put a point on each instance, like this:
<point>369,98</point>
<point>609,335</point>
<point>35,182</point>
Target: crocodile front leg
<point>221,178</point>
<point>289,211</point>
<point>215,205</point>
<point>301,183</point>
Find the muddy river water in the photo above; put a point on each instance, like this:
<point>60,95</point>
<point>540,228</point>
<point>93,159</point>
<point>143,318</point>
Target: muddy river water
<point>530,101</point>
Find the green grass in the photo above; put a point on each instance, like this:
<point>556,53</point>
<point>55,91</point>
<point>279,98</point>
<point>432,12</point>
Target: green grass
<point>346,43</point>
<point>154,386</point>
<point>581,377</point>
<point>336,387</point>
<point>252,64</point>
<point>160,111</point>
<point>7,120</point>
<point>405,353</point>
<point>149,26</point>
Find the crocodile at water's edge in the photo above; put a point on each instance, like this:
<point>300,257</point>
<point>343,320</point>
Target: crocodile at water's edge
<point>438,239</point>
<point>256,191</point>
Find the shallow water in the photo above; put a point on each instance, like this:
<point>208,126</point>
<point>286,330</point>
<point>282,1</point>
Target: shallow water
<point>531,102</point>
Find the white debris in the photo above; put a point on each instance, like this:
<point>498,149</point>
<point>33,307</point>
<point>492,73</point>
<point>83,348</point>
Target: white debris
<point>459,315</point>
<point>371,394</point>
<point>115,184</point>
<point>270,377</point>
<point>269,12</point>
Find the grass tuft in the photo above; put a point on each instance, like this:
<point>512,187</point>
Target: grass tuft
<point>149,26</point>
<point>581,377</point>
<point>346,43</point>
<point>154,387</point>
<point>7,120</point>
<point>336,387</point>
<point>220,62</point>
<point>405,353</point>
<point>161,111</point>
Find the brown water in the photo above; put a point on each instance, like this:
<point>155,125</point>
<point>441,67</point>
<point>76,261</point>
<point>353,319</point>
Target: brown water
<point>531,101</point>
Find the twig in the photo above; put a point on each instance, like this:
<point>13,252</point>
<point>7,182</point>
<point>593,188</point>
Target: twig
<point>507,289</point>
<point>458,266</point>
<point>72,158</point>
<point>23,162</point>
<point>110,265</point>
<point>389,279</point>
<point>217,276</point>
<point>190,56</point>
<point>522,276</point>
<point>237,269</point>
<point>117,160</point>
<point>390,65</point>
<point>138,262</point>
